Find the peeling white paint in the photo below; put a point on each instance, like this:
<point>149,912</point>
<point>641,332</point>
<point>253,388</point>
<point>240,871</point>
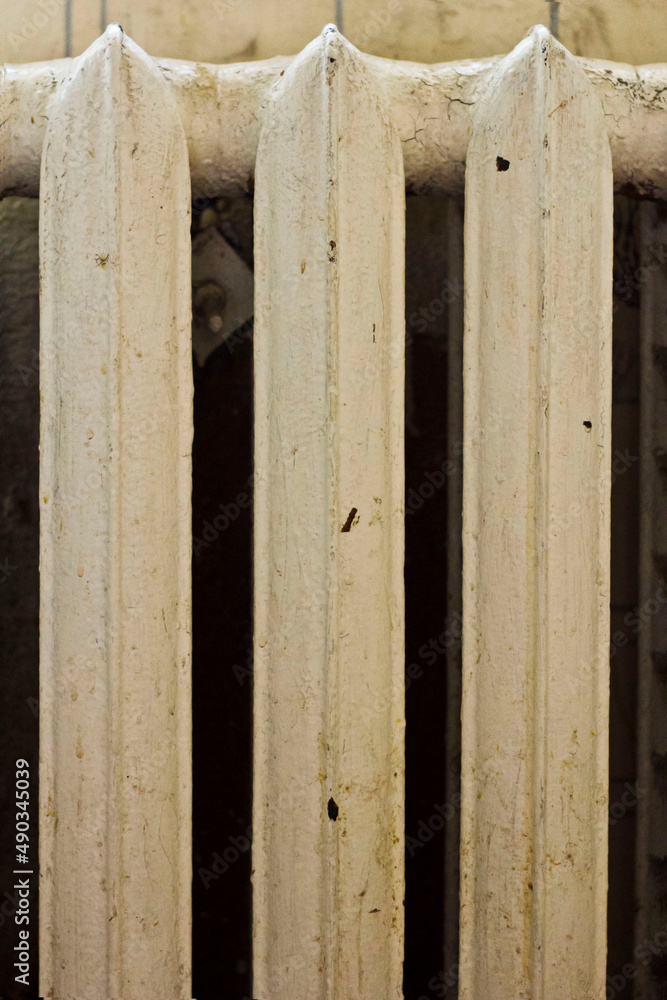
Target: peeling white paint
<point>329,648</point>
<point>433,107</point>
<point>341,135</point>
<point>116,431</point>
<point>537,372</point>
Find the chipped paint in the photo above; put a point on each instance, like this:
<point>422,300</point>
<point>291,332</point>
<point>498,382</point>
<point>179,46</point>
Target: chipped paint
<point>329,689</point>
<point>536,602</point>
<point>115,599</point>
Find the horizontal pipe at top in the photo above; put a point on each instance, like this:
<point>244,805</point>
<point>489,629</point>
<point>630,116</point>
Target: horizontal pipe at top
<point>434,106</point>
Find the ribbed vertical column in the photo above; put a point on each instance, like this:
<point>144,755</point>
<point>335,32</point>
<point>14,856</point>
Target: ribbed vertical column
<point>537,379</point>
<point>116,434</point>
<point>651,624</point>
<point>329,647</point>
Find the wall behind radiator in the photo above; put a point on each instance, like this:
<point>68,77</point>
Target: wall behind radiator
<point>633,31</point>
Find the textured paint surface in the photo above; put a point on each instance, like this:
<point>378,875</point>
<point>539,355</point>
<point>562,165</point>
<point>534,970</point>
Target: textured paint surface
<point>415,94</point>
<point>537,375</point>
<point>329,646</point>
<point>433,107</point>
<point>116,428</point>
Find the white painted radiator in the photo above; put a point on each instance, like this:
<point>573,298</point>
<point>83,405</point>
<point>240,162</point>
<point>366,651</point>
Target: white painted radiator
<point>117,144</point>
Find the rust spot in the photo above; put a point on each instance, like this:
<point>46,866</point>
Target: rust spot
<point>350,518</point>
<point>502,164</point>
<point>563,104</point>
